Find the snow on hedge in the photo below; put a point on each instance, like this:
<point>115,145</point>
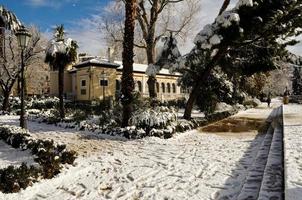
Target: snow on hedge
<point>158,117</point>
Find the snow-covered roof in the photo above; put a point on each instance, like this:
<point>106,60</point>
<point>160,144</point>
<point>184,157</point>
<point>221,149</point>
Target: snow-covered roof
<point>142,68</point>
<point>119,65</point>
<point>96,62</point>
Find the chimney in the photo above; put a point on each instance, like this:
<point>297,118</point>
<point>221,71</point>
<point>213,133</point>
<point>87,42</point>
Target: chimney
<point>110,55</point>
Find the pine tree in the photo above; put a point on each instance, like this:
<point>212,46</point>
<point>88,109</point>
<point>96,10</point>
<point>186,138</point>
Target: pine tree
<point>254,23</point>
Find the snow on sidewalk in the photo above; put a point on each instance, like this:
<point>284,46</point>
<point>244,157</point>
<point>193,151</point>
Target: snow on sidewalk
<point>292,151</point>
<point>191,165</point>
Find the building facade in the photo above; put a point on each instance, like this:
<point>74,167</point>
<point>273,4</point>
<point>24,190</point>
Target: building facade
<point>95,79</point>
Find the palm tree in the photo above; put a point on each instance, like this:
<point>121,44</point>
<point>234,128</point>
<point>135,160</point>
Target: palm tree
<point>127,77</point>
<point>60,53</point>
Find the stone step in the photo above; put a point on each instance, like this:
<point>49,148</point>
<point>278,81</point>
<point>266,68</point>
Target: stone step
<point>252,184</point>
<point>272,186</point>
<point>261,178</point>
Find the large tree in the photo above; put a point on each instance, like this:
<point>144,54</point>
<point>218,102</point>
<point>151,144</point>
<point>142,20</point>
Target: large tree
<point>60,53</point>
<point>155,19</point>
<point>257,22</point>
<point>127,76</point>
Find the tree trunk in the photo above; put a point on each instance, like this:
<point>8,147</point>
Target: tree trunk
<point>199,80</point>
<point>150,50</point>
<point>61,91</point>
<point>128,54</point>
<point>5,103</point>
<point>191,101</point>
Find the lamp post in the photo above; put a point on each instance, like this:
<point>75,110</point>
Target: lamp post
<point>23,37</point>
<point>104,83</point>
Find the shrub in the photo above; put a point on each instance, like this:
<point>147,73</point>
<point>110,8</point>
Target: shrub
<point>49,155</point>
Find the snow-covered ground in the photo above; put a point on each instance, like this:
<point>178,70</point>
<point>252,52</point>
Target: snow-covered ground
<point>292,151</point>
<point>12,156</point>
<point>191,165</point>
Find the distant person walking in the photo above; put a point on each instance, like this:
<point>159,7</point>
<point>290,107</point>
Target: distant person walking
<point>269,99</point>
<point>286,96</point>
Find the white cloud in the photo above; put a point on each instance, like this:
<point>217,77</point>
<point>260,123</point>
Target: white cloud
<point>56,4</point>
<point>44,3</point>
<point>91,40</point>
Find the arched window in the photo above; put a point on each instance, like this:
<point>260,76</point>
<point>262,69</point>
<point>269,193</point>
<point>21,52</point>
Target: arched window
<point>139,86</point>
<point>163,88</point>
<point>173,88</point>
<point>117,85</point>
<point>157,87</point>
<point>168,88</point>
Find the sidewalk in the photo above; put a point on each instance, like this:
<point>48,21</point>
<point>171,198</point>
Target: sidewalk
<point>292,116</point>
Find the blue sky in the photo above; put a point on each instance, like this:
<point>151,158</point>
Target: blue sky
<point>81,19</point>
<point>48,13</point>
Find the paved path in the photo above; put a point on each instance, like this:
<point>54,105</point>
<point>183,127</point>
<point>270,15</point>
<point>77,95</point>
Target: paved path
<point>293,151</point>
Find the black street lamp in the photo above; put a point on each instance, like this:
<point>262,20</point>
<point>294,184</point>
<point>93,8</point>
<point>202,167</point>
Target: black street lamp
<point>23,37</point>
<point>104,83</point>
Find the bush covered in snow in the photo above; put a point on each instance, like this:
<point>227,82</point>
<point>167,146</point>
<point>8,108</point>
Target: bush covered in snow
<point>12,179</point>
<point>49,155</point>
<point>33,103</point>
<point>43,103</point>
<point>50,116</point>
<point>157,118</point>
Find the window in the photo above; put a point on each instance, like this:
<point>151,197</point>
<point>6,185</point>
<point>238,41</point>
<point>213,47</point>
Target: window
<point>173,88</point>
<point>83,91</point>
<point>139,85</point>
<point>103,82</point>
<point>83,83</point>
<point>157,87</point>
<point>163,88</point>
<point>168,88</point>
<point>118,85</point>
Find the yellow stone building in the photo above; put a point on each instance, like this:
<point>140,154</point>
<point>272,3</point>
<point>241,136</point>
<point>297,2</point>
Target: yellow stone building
<point>95,78</point>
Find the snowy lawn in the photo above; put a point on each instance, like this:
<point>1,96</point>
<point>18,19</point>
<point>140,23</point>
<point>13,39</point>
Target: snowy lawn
<point>12,156</point>
<point>191,165</point>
